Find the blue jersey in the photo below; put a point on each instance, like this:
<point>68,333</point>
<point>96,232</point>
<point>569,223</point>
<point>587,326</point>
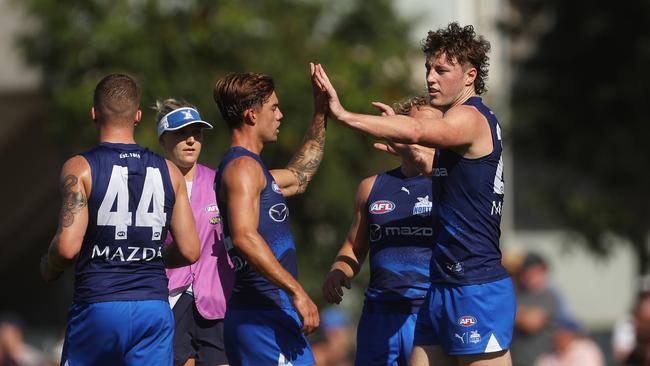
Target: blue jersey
<point>252,290</point>
<point>401,238</point>
<point>469,197</point>
<point>129,208</point>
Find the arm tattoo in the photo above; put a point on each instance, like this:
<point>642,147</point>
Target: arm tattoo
<point>307,159</point>
<point>73,201</point>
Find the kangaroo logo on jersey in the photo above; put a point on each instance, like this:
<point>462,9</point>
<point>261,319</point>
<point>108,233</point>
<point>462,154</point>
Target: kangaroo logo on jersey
<point>467,321</point>
<point>381,207</point>
<point>423,206</point>
<point>474,337</point>
<point>275,187</point>
<point>278,212</point>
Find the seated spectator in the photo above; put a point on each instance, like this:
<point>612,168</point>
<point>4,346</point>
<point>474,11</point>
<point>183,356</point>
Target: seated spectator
<point>572,348</point>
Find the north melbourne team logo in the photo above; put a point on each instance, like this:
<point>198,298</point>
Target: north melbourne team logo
<point>279,212</point>
<point>423,206</point>
<point>381,207</point>
<point>187,114</point>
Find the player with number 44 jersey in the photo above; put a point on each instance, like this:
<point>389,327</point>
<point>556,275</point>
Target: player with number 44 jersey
<point>119,199</point>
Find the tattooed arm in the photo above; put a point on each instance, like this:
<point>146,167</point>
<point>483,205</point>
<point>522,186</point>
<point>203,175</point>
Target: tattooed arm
<point>298,173</point>
<point>73,218</point>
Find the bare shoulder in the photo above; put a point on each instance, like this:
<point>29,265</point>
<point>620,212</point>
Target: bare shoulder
<point>76,170</point>
<point>77,165</point>
<point>464,114</point>
<point>244,170</point>
<point>365,186</point>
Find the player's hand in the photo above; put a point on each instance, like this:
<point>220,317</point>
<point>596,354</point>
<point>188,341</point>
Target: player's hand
<point>336,109</point>
<point>307,310</point>
<point>48,273</point>
<point>333,286</point>
<point>321,98</point>
<point>385,109</point>
<point>385,147</point>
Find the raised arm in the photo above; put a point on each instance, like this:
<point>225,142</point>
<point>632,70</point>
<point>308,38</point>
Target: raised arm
<point>354,249</point>
<point>75,185</point>
<point>243,181</point>
<point>303,165</point>
<point>185,248</point>
<point>459,126</point>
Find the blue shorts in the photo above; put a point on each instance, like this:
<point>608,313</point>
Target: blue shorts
<point>385,339</point>
<point>265,337</point>
<point>469,319</point>
<point>119,333</point>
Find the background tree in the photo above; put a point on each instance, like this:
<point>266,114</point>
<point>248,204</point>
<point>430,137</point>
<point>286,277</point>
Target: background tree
<point>580,117</point>
<point>180,48</point>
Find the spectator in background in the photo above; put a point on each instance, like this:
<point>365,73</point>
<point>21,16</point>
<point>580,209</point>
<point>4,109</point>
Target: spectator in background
<point>14,351</point>
<point>623,332</point>
<point>572,348</point>
<point>334,348</point>
<point>640,356</point>
<point>538,307</point>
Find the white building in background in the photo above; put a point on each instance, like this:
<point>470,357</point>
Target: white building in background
<point>597,291</point>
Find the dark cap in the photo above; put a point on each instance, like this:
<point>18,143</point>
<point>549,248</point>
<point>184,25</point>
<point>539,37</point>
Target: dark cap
<point>532,259</point>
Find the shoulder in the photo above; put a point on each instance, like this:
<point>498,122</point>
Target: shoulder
<point>365,186</point>
<point>77,166</point>
<point>464,113</point>
<point>244,170</point>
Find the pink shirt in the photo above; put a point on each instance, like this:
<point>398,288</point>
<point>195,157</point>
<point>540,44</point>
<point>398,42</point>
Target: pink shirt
<point>212,276</point>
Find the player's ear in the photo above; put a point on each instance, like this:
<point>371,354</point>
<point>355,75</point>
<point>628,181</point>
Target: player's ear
<point>138,117</point>
<point>250,117</point>
<point>93,114</point>
<point>470,76</point>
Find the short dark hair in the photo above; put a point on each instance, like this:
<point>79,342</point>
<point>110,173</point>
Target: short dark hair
<point>117,96</point>
<point>235,93</point>
<point>461,44</point>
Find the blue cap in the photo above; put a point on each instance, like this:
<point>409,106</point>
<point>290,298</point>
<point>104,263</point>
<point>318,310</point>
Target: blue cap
<point>179,118</point>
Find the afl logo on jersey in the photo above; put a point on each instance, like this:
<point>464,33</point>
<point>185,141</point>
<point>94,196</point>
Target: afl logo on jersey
<point>276,188</point>
<point>381,207</point>
<point>212,208</point>
<point>467,321</point>
<point>279,212</point>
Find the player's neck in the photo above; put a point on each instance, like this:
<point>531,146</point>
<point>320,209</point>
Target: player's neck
<point>245,140</point>
<point>467,93</point>
<point>116,135</point>
<point>188,173</point>
<point>409,170</point>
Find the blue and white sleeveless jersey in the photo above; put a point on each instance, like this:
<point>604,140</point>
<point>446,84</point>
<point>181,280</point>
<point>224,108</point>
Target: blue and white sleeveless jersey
<point>400,235</point>
<point>130,208</point>
<point>469,197</point>
<point>252,290</point>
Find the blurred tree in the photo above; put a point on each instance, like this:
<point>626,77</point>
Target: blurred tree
<point>579,106</point>
<point>180,48</point>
